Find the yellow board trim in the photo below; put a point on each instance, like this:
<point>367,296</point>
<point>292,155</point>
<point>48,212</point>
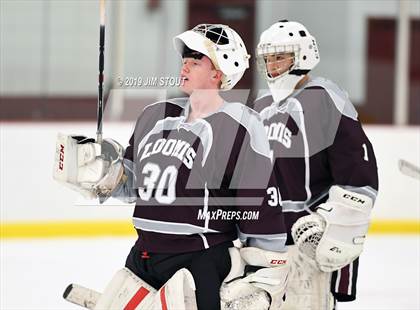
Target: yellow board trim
<point>113,228</point>
<point>67,229</point>
<point>394,227</point>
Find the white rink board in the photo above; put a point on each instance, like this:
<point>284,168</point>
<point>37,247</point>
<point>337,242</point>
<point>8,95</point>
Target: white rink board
<point>28,192</point>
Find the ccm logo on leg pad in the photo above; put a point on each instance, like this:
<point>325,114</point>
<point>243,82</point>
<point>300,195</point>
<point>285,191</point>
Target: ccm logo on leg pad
<point>278,262</point>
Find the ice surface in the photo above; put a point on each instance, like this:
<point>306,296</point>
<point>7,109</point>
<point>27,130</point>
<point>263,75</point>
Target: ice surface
<point>34,273</point>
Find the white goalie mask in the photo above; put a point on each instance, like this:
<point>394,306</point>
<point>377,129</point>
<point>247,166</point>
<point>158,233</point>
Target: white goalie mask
<point>222,45</point>
<point>282,42</point>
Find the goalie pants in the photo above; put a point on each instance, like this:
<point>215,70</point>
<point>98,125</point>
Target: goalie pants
<point>209,268</point>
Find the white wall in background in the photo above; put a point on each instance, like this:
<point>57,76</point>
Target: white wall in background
<point>51,47</point>
<point>28,191</point>
<point>341,30</point>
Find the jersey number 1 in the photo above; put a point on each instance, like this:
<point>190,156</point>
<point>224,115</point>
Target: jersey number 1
<point>167,177</point>
<point>365,157</point>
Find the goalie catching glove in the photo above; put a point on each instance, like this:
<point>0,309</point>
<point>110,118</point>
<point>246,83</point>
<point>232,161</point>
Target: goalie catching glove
<point>92,169</point>
<point>333,236</point>
<point>264,288</point>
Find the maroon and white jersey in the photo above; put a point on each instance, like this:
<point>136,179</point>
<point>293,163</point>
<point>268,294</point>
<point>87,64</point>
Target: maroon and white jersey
<point>202,183</point>
<point>316,142</point>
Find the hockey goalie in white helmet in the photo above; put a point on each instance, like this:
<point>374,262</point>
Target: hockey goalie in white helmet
<point>222,45</point>
<point>285,54</point>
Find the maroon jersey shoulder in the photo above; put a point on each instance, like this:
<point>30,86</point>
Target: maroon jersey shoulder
<point>262,102</point>
<point>186,171</point>
<point>151,114</point>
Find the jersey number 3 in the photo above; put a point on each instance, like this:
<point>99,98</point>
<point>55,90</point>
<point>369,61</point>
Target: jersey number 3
<point>156,179</point>
<point>275,197</point>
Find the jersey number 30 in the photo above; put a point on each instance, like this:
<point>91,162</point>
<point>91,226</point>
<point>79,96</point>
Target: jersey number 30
<point>156,179</point>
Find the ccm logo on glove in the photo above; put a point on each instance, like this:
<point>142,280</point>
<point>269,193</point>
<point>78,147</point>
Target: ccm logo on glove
<point>61,162</point>
<point>356,199</point>
<point>335,249</point>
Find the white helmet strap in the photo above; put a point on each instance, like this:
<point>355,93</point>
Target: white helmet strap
<point>212,55</point>
<point>282,88</point>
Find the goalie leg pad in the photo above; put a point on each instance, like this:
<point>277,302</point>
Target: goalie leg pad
<point>241,294</point>
<point>308,288</point>
<point>273,277</point>
<point>237,265</point>
<point>127,291</point>
<point>263,289</point>
<point>81,296</point>
<point>177,293</point>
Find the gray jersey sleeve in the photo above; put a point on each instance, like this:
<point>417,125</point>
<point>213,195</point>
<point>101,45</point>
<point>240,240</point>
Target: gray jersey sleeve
<point>126,191</point>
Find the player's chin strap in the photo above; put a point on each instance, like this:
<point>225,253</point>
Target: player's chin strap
<point>212,55</point>
<point>257,280</point>
<point>282,87</point>
<point>90,168</point>
<point>333,236</point>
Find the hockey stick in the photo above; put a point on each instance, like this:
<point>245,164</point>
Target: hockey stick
<point>74,293</point>
<point>101,71</point>
<point>409,169</point>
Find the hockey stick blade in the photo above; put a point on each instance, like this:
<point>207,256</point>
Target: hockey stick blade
<point>409,169</point>
<point>81,296</point>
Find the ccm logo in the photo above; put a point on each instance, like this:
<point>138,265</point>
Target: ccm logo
<point>61,162</point>
<point>278,262</point>
<point>335,249</point>
<point>347,196</point>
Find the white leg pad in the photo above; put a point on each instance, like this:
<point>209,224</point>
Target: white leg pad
<point>177,293</point>
<point>241,295</point>
<point>127,291</point>
<point>124,289</point>
<point>82,296</point>
<point>308,288</point>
